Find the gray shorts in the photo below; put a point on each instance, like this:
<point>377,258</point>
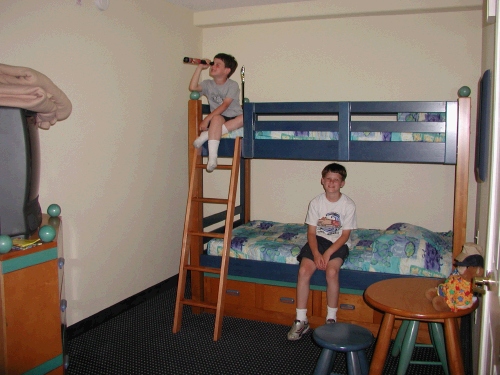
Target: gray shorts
<point>323,245</point>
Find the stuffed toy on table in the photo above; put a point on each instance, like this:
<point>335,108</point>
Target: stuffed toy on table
<point>456,291</point>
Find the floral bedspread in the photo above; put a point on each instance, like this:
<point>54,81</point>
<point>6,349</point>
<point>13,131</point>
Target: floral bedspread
<point>402,249</point>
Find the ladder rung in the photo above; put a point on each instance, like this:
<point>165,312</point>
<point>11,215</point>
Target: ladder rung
<point>211,200</point>
<point>202,269</point>
<point>204,305</point>
<point>207,234</point>
<point>222,166</point>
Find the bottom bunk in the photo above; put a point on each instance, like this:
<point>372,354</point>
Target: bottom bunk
<point>263,270</point>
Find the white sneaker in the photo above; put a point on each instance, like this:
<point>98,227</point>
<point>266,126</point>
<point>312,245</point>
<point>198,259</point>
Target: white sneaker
<point>299,327</point>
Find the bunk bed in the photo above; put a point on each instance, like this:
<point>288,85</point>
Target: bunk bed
<point>397,132</point>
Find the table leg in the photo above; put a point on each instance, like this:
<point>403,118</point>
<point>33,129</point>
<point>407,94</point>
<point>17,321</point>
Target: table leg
<point>439,343</point>
<point>396,349</point>
<point>382,345</point>
<point>407,346</point>
<point>455,360</point>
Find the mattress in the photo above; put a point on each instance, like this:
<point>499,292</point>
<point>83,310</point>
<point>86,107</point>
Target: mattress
<point>359,136</point>
<point>401,249</point>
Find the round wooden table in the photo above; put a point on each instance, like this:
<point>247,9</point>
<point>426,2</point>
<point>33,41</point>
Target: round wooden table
<point>404,298</point>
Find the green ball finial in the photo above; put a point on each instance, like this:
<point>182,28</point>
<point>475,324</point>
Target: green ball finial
<point>5,244</point>
<point>246,100</point>
<point>195,95</point>
<point>54,210</point>
<point>464,91</point>
<point>47,233</point>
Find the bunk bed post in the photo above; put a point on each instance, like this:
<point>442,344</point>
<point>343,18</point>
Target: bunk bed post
<point>246,188</point>
<point>461,176</point>
<point>196,224</point>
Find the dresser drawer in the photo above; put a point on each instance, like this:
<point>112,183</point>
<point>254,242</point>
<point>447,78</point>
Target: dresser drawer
<point>352,307</point>
<point>278,299</point>
<point>237,292</point>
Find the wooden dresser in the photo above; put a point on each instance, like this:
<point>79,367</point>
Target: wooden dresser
<point>33,309</point>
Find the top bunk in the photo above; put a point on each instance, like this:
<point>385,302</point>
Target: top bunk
<point>407,132</point>
<point>359,131</point>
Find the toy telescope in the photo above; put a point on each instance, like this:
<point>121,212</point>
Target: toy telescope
<point>191,60</point>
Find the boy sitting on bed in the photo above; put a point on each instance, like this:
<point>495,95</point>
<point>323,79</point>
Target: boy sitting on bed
<point>330,218</point>
<point>223,96</point>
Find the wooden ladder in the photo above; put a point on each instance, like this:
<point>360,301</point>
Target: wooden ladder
<point>186,253</point>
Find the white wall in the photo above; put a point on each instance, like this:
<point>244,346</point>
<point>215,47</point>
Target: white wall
<point>118,165</point>
<point>414,55</point>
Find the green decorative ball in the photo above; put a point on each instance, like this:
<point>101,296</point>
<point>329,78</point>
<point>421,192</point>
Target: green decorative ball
<point>54,210</point>
<point>5,244</point>
<point>195,95</point>
<point>464,91</point>
<point>246,100</point>
<point>47,233</point>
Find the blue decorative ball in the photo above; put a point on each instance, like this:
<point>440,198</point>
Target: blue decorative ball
<point>195,95</point>
<point>464,91</point>
<point>5,243</point>
<point>246,100</point>
<point>54,210</point>
<point>47,233</point>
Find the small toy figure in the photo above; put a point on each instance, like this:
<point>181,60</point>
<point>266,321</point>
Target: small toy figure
<point>456,291</point>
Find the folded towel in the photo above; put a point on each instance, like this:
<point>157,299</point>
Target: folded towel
<point>26,88</point>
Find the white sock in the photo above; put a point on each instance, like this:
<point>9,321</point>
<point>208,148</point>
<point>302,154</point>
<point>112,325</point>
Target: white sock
<point>224,129</point>
<point>213,148</point>
<point>331,313</point>
<point>203,137</point>
<point>301,315</point>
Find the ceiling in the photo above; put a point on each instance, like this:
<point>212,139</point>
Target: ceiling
<point>202,5</point>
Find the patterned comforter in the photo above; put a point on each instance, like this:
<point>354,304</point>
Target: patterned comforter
<point>402,249</point>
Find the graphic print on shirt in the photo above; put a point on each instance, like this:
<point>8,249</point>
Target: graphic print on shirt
<point>217,98</point>
<point>329,224</point>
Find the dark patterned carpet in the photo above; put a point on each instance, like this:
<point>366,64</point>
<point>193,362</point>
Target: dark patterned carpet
<point>140,341</point>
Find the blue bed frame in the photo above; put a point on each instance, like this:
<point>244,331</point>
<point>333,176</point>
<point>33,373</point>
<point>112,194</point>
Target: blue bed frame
<point>343,122</point>
<point>345,149</point>
<point>345,118</point>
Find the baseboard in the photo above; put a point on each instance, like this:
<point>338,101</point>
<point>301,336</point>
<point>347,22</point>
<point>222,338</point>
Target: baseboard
<point>102,316</point>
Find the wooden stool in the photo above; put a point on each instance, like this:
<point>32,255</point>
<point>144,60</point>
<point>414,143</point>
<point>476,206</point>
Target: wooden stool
<point>405,343</point>
<point>342,337</point>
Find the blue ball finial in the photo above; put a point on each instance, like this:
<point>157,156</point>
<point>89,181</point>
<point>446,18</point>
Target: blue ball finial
<point>47,233</point>
<point>54,210</point>
<point>195,95</point>
<point>5,244</point>
<point>464,91</point>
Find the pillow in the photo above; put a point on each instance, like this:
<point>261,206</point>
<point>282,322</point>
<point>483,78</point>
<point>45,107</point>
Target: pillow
<point>408,241</point>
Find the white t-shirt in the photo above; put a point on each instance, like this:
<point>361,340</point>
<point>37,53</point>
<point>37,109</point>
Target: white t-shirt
<point>330,218</point>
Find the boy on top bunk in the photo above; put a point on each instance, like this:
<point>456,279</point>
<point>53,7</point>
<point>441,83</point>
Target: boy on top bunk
<point>223,95</point>
<point>330,218</point>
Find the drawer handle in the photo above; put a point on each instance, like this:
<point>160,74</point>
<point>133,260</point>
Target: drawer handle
<point>288,300</point>
<point>233,292</point>
<point>345,306</point>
